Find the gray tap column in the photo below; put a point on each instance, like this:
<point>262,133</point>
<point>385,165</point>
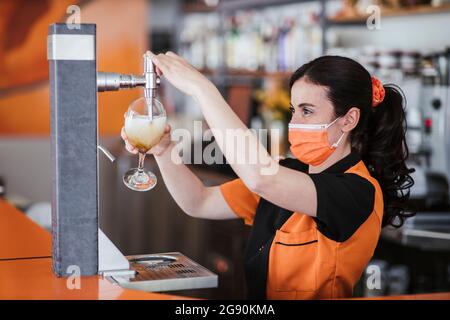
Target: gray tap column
<point>73,104</point>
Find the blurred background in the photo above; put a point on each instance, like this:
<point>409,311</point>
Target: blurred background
<point>248,48</point>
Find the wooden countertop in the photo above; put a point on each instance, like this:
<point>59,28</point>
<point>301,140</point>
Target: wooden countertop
<point>25,266</point>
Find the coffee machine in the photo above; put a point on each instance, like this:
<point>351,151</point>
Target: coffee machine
<point>434,106</point>
<point>77,240</point>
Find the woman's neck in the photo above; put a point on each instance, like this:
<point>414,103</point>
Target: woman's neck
<point>338,154</point>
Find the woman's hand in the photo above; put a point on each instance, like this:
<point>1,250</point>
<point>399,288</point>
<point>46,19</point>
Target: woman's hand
<point>180,73</point>
<point>157,150</point>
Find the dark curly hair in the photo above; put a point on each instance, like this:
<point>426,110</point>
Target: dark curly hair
<point>379,136</point>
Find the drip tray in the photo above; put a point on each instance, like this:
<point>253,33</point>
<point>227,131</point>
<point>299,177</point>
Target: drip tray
<point>165,272</point>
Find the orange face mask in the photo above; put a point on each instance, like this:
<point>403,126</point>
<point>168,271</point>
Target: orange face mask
<point>309,142</point>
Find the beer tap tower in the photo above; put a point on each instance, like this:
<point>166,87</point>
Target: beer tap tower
<point>76,237</point>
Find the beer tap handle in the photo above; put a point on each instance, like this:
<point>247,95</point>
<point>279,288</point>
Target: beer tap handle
<point>151,81</point>
<point>111,81</point>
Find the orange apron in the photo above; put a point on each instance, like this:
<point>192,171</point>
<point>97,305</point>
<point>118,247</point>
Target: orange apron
<point>289,257</point>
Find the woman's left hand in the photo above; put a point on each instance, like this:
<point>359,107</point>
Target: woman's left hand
<point>180,73</point>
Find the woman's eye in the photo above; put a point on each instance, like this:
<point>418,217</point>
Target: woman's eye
<point>306,111</point>
<point>292,109</point>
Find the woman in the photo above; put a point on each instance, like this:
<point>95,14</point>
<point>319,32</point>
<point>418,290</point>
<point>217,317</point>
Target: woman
<point>317,219</point>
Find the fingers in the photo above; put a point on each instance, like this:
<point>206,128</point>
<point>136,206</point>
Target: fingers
<point>123,135</point>
<point>173,55</point>
<point>128,146</point>
<point>158,72</point>
<point>165,62</point>
<point>160,62</point>
<point>167,128</point>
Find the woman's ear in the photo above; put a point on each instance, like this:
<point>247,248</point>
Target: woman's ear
<point>351,119</point>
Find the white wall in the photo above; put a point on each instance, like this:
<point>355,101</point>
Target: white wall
<point>25,165</point>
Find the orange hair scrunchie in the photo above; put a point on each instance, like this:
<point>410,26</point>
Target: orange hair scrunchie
<point>378,92</point>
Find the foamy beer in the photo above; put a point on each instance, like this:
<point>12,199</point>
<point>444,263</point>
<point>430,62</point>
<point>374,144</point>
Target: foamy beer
<point>143,133</point>
<point>145,122</point>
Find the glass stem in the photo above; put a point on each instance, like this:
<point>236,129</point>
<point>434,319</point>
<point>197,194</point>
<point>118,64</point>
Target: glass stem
<point>141,162</point>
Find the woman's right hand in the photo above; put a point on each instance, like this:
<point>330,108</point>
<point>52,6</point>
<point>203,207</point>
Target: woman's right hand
<point>157,150</point>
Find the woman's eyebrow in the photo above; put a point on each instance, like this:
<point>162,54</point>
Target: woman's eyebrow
<point>304,104</point>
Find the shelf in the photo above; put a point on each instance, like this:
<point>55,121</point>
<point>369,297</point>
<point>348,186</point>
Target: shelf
<point>232,5</point>
<point>198,8</point>
<point>250,73</point>
<point>417,10</point>
<point>247,73</point>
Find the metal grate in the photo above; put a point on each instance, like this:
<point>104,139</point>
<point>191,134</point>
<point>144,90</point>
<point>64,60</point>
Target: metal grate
<point>167,266</point>
<point>165,272</point>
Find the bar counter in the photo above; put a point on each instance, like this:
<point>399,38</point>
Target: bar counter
<point>25,268</point>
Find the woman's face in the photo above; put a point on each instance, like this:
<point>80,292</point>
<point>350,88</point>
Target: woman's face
<point>310,105</point>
